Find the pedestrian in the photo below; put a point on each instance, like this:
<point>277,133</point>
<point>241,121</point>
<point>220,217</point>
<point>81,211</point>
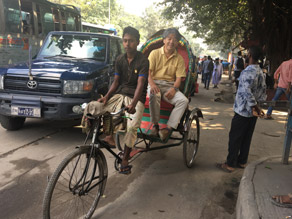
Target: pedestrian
<point>282,83</point>
<point>208,67</point>
<point>194,73</point>
<point>129,89</point>
<point>217,73</point>
<point>251,90</point>
<point>238,67</point>
<point>202,68</point>
<point>245,61</point>
<point>167,68</point>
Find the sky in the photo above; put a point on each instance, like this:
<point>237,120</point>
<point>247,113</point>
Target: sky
<point>136,7</point>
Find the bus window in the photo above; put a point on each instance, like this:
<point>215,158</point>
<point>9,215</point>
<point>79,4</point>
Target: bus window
<point>12,15</point>
<point>27,17</point>
<point>70,23</point>
<point>47,20</point>
<point>40,26</point>
<point>56,19</point>
<point>77,25</point>
<point>63,19</point>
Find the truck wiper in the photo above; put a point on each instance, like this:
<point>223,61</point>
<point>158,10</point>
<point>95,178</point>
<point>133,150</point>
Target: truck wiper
<point>92,58</point>
<point>49,57</point>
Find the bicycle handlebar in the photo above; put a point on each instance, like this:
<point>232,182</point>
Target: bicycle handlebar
<point>119,112</point>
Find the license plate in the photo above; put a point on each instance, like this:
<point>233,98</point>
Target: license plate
<point>26,111</point>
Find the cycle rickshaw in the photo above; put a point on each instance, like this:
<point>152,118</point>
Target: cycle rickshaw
<point>78,183</point>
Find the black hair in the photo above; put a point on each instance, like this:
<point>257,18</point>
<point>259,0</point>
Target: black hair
<point>171,31</point>
<point>239,53</point>
<point>132,31</point>
<point>209,57</point>
<point>255,52</point>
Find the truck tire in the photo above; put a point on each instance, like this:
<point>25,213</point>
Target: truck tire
<point>11,123</point>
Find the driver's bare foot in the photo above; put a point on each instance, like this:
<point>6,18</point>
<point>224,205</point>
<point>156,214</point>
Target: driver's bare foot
<point>110,140</point>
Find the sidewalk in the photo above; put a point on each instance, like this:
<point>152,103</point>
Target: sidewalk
<point>260,181</point>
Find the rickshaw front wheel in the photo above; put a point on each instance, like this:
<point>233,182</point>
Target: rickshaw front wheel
<point>191,140</point>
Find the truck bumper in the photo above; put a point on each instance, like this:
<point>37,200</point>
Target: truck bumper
<point>55,108</point>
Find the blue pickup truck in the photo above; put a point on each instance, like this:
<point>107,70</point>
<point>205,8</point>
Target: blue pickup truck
<point>71,68</point>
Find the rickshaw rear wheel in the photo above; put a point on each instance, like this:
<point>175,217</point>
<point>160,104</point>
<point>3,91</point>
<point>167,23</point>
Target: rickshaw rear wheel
<point>191,140</point>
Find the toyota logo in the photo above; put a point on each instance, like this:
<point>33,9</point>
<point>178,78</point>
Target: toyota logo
<point>32,84</point>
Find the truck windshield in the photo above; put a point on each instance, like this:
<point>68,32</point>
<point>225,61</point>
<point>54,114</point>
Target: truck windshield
<point>74,46</point>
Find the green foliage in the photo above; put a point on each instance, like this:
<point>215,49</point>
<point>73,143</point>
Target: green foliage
<point>217,21</point>
<point>226,23</point>
<point>153,22</point>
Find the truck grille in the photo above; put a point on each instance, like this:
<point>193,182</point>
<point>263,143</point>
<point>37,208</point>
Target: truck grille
<point>17,83</point>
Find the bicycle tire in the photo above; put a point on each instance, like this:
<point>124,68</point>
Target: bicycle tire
<point>59,201</point>
<point>191,141</point>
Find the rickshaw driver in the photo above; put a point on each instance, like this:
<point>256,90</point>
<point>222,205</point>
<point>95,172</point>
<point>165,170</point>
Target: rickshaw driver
<point>129,88</point>
<point>166,70</point>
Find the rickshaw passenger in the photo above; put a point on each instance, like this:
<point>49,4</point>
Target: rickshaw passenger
<point>166,70</point>
<point>129,88</point>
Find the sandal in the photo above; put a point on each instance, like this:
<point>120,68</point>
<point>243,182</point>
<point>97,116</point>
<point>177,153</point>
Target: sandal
<point>225,167</point>
<point>125,169</point>
<point>284,201</point>
<point>241,166</point>
<point>269,117</point>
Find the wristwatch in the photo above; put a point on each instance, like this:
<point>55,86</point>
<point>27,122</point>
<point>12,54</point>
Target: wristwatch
<point>175,88</point>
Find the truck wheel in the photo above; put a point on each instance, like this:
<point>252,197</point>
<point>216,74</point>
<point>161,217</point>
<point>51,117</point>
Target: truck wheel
<point>11,123</point>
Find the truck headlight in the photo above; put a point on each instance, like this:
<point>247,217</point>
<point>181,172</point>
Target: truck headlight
<point>77,87</point>
<point>1,82</point>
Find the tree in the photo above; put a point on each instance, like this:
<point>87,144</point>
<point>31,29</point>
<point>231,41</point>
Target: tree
<point>215,21</point>
<point>249,22</point>
<point>271,28</point>
<point>153,22</point>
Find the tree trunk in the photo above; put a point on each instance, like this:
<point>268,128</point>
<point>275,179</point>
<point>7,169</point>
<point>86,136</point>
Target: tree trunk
<point>271,26</point>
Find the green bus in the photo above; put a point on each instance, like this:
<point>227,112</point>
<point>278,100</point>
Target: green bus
<point>25,23</point>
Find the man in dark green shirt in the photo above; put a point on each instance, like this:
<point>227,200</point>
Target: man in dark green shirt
<point>128,89</point>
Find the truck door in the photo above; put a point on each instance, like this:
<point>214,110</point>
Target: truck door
<point>114,52</point>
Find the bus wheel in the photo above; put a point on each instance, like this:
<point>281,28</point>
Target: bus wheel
<point>11,123</point>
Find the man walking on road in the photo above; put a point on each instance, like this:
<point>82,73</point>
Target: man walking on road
<point>283,75</point>
<point>251,90</point>
<point>208,67</point>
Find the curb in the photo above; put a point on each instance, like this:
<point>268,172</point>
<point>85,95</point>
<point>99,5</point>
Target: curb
<point>246,206</point>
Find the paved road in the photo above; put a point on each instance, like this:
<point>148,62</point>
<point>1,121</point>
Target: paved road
<point>160,185</point>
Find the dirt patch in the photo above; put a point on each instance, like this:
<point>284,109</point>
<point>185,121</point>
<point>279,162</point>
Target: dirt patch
<point>222,203</point>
